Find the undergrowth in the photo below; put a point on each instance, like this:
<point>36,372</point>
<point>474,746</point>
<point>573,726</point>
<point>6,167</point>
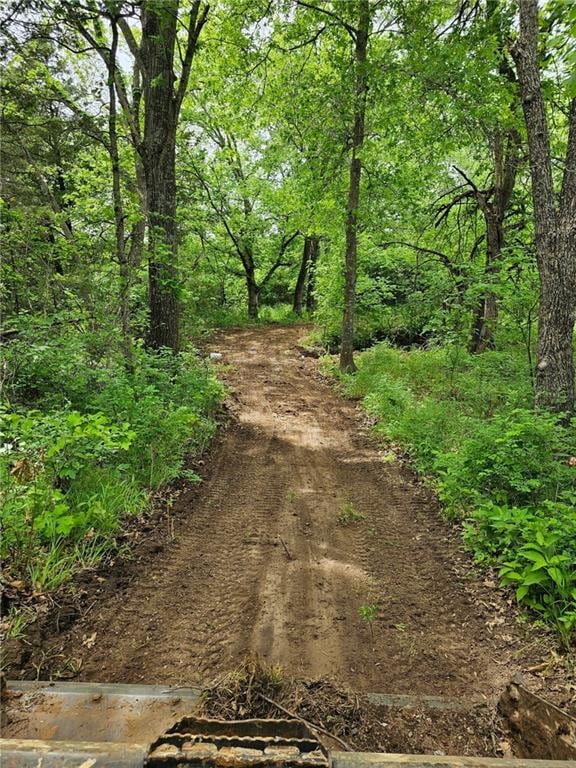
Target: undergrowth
<point>508,473</point>
<point>235,316</point>
<point>83,442</point>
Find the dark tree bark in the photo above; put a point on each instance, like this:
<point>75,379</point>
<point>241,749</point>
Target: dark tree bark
<point>361,86</point>
<point>253,299</point>
<point>494,204</point>
<point>311,287</point>
<point>159,160</point>
<point>305,284</point>
<point>162,102</point>
<point>138,234</point>
<point>555,227</point>
<point>121,256</point>
<point>300,288</point>
<point>252,287</point>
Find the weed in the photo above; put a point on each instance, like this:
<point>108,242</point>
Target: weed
<point>98,441</point>
<point>545,581</point>
<point>48,569</point>
<point>368,613</point>
<point>17,620</point>
<point>190,476</point>
<point>348,515</point>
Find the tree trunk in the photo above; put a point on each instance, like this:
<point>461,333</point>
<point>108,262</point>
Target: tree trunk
<point>253,295</point>
<point>300,289</point>
<point>138,233</point>
<point>222,300</point>
<point>486,315</point>
<point>484,324</point>
<point>506,159</point>
<point>361,53</point>
<point>494,206</point>
<point>554,375</point>
<point>311,287</point>
<point>555,228</point>
<point>162,246</point>
<point>159,160</point>
<point>121,256</point>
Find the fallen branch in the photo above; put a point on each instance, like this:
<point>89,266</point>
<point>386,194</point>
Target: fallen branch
<point>340,741</point>
<point>289,554</point>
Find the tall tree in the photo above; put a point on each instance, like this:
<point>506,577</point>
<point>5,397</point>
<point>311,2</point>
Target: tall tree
<point>155,79</point>
<point>555,226</point>
<point>360,36</point>
<point>493,203</point>
<point>300,287</point>
<point>118,205</point>
<point>163,95</point>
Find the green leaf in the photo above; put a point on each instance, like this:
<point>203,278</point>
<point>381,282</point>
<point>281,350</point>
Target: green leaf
<point>557,575</point>
<point>521,592</point>
<point>536,557</point>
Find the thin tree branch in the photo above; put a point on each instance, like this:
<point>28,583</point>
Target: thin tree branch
<point>104,54</point>
<point>348,27</point>
<point>466,178</point>
<point>194,29</point>
<point>310,41</point>
<point>131,42</point>
<point>444,258</point>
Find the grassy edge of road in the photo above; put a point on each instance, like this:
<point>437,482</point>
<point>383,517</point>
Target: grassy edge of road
<point>85,446</point>
<point>506,473</point>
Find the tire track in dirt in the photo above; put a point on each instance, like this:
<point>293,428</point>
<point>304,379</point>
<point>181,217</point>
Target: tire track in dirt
<point>295,454</point>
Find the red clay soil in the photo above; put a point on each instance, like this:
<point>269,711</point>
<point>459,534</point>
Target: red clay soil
<point>265,559</point>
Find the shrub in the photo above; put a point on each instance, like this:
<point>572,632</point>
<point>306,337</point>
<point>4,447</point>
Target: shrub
<point>42,456</point>
<point>100,437</point>
<point>517,458</point>
<point>536,551</point>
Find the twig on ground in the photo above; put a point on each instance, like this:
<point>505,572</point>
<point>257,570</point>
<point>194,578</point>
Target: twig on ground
<point>340,741</point>
<point>289,554</point>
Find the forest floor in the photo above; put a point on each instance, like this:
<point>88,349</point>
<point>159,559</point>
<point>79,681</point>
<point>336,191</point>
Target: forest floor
<point>300,522</point>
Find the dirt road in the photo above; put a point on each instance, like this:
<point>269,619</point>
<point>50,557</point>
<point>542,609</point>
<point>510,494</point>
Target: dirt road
<point>299,524</point>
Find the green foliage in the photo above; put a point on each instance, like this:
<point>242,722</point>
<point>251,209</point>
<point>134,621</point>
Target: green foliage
<point>545,581</point>
<point>168,401</point>
<point>504,470</point>
<point>517,458</point>
<point>368,612</point>
<point>73,470</point>
<point>536,551</point>
<point>42,456</point>
<point>349,515</point>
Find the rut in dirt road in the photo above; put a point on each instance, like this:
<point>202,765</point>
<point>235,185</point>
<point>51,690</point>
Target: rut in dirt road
<point>263,561</point>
